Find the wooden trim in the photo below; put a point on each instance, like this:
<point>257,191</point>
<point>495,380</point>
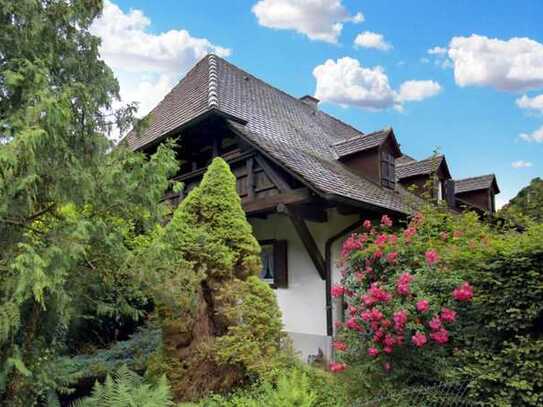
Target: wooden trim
<point>279,182</point>
<point>201,171</point>
<point>250,178</point>
<point>269,204</point>
<point>280,260</point>
<point>308,241</point>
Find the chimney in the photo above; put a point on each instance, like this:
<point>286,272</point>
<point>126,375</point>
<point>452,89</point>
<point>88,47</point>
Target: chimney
<point>311,101</point>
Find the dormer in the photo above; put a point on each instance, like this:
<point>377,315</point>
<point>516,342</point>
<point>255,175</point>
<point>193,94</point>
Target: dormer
<point>371,155</point>
<point>478,193</point>
<point>429,177</point>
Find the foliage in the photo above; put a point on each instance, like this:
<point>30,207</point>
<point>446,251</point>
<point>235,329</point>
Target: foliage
<point>402,300</point>
<point>225,328</point>
<point>528,203</point>
<point>502,343</point>
<point>254,330</point>
<point>496,338</point>
<point>293,388</point>
<point>70,205</point>
<point>127,388</point>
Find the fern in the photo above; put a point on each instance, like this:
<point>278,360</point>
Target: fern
<point>9,320</point>
<point>127,388</point>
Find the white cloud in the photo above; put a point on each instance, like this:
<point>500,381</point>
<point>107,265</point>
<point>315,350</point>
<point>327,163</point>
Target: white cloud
<point>347,82</point>
<point>521,164</point>
<point>147,65</point>
<point>437,51</point>
<point>369,39</point>
<point>535,136</point>
<point>318,19</point>
<point>415,91</point>
<point>535,103</point>
<point>512,65</point>
<point>439,57</point>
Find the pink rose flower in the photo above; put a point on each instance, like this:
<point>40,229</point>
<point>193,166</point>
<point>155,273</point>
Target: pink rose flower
<point>392,239</point>
<point>336,367</point>
<point>435,323</point>
<point>392,257</point>
<point>386,221</point>
<point>464,292</point>
<point>400,319</point>
<point>419,339</point>
<point>353,325</point>
<point>423,306</point>
<point>337,290</point>
<point>447,315</point>
<point>409,233</point>
<point>381,240</point>
<point>373,352</point>
<point>440,336</point>
<point>432,257</point>
<point>367,224</point>
<point>402,284</point>
<point>340,346</point>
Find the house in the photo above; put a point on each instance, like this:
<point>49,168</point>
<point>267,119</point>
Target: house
<point>430,176</point>
<point>477,193</point>
<point>305,179</point>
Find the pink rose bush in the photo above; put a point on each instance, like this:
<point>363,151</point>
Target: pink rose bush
<point>400,295</point>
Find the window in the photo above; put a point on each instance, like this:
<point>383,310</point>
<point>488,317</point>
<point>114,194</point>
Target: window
<point>274,263</point>
<point>388,170</point>
<point>440,195</point>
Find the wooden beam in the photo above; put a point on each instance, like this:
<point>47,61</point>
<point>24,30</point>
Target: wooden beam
<point>279,182</point>
<point>250,178</point>
<point>269,204</point>
<point>307,239</point>
<point>313,212</point>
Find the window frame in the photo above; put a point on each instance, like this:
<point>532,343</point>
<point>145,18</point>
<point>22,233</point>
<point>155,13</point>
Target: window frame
<point>280,262</point>
<point>387,169</point>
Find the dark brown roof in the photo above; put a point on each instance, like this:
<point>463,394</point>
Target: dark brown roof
<point>476,183</point>
<point>360,143</point>
<point>404,159</point>
<point>285,128</point>
<point>423,167</point>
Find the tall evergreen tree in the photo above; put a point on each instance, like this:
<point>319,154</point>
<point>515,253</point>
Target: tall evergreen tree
<point>69,210</point>
<point>222,323</point>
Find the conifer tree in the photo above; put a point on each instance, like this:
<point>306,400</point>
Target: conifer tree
<point>70,208</point>
<point>229,324</point>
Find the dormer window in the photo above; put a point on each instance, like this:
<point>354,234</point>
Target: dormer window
<point>388,170</point>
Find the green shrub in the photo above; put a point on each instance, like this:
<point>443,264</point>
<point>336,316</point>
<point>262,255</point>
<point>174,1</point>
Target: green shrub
<point>292,388</point>
<point>502,345</point>
<point>127,388</point>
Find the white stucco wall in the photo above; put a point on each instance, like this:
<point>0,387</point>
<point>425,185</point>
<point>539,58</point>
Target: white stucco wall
<point>303,303</point>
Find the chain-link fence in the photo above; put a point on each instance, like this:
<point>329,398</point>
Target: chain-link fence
<point>439,395</point>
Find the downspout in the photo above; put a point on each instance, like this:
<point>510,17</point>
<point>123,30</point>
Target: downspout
<point>328,263</point>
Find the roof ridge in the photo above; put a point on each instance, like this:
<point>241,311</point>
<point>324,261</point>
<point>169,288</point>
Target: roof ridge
<point>213,99</point>
<point>477,176</point>
<point>438,156</point>
<point>373,133</point>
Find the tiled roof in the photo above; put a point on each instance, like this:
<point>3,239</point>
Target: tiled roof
<point>290,131</point>
<point>360,143</point>
<point>475,183</point>
<point>404,159</point>
<point>422,167</point>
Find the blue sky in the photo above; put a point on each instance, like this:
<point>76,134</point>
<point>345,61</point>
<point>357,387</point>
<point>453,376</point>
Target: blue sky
<point>472,97</point>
